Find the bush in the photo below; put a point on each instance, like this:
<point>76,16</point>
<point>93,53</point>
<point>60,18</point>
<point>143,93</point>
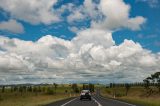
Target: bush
<point>50,91</point>
<point>1,98</point>
<point>44,89</point>
<point>109,92</point>
<point>120,95</point>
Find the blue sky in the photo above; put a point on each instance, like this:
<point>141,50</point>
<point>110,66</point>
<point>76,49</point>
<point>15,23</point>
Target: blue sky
<point>64,41</point>
<point>148,36</point>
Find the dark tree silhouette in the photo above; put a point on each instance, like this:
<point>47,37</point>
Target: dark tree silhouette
<point>43,89</point>
<point>75,88</point>
<point>15,88</point>
<point>91,87</point>
<point>50,91</point>
<point>29,89</point>
<point>55,86</point>
<point>147,82</point>
<point>35,90</point>
<point>3,89</point>
<point>156,79</point>
<point>127,87</point>
<point>21,90</point>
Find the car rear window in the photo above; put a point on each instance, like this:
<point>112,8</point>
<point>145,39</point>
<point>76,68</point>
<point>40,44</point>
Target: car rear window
<point>85,91</point>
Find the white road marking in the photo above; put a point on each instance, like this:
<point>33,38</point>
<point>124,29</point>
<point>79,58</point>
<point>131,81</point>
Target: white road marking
<point>118,101</point>
<point>68,102</point>
<point>96,101</point>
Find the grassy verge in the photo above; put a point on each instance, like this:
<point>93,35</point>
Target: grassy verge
<point>33,98</point>
<point>136,95</point>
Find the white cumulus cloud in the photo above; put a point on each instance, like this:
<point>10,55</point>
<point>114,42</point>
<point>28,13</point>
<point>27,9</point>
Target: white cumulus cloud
<point>116,14</point>
<point>92,54</point>
<point>32,11</point>
<point>106,15</point>
<point>12,26</point>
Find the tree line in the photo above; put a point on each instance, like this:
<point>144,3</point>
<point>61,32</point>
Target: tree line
<point>77,89</point>
<point>48,89</point>
<point>149,84</point>
<point>152,81</point>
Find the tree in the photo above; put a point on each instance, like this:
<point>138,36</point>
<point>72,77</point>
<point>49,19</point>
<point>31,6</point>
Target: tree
<point>55,86</point>
<point>43,89</point>
<point>29,89</point>
<point>50,91</point>
<point>15,88</point>
<point>24,88</point>
<point>91,87</point>
<point>147,85</point>
<point>75,88</point>
<point>127,87</point>
<point>12,88</point>
<point>85,87</point>
<point>3,89</point>
<point>156,78</point>
<point>39,89</point>
<point>21,90</point>
<point>35,90</point>
<point>111,85</point>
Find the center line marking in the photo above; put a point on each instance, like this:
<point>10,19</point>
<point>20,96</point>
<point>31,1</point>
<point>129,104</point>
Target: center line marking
<point>68,102</point>
<point>96,102</point>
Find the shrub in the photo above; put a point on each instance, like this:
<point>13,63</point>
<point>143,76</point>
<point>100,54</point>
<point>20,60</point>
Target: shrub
<point>50,91</point>
<point>1,98</point>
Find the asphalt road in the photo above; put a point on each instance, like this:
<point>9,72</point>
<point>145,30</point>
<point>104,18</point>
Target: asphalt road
<point>96,101</point>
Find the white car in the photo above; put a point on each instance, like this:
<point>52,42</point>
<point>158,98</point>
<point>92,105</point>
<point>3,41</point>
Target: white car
<point>85,94</point>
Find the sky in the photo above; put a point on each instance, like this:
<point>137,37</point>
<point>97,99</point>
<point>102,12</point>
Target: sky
<point>70,41</point>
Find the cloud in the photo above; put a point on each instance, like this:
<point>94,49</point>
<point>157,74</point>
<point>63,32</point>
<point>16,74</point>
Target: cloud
<point>92,54</point>
<point>116,14</point>
<point>32,11</point>
<point>89,10</point>
<point>107,15</point>
<point>151,3</point>
<point>12,26</point>
<point>76,16</point>
<point>104,14</point>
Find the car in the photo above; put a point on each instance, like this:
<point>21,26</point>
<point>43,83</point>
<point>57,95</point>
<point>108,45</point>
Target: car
<point>85,94</point>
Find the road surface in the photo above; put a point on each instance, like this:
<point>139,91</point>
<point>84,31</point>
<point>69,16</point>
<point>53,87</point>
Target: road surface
<point>96,101</point>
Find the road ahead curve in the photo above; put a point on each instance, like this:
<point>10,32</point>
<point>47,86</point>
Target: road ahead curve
<point>96,101</point>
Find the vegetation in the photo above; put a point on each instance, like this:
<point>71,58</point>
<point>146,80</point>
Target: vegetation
<point>127,87</point>
<point>34,95</point>
<point>152,81</point>
<point>89,87</point>
<point>145,94</point>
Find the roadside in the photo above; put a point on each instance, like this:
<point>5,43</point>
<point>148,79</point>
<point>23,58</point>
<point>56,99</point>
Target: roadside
<point>136,95</point>
<point>32,100</point>
<point>35,95</point>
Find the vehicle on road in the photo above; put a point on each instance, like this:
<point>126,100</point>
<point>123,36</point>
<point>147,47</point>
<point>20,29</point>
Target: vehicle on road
<point>85,94</point>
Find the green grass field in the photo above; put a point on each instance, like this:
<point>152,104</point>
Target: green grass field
<point>9,98</point>
<point>136,95</point>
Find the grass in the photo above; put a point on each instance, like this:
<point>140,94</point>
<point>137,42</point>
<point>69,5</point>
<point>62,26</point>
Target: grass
<point>9,98</point>
<point>31,100</point>
<point>136,95</point>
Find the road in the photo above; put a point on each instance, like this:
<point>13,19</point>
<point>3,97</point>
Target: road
<point>96,101</point>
